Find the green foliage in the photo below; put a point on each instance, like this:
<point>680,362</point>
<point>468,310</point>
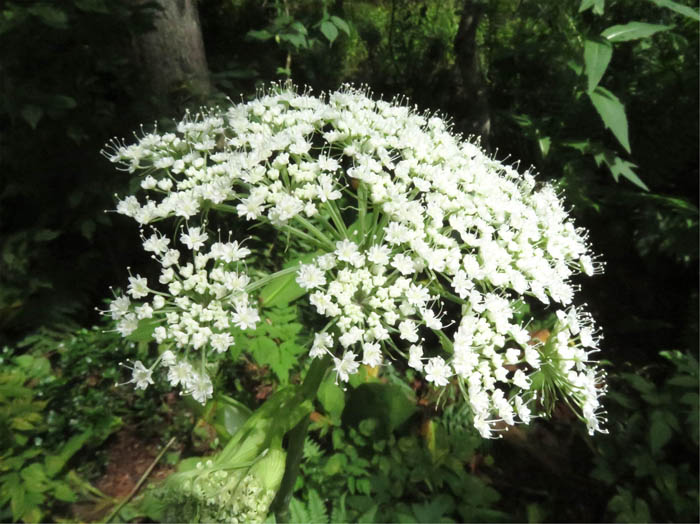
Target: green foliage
<point>277,341</point>
<point>32,476</point>
<point>371,461</point>
<point>651,457</point>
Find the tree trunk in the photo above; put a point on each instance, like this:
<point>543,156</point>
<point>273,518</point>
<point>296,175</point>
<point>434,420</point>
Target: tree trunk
<point>171,55</point>
<point>470,83</point>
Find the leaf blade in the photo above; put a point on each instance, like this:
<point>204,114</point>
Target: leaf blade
<point>612,112</point>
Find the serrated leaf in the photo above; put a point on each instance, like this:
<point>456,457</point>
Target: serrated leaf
<point>633,31</point>
<point>596,56</point>
<point>612,112</point>
<point>620,167</point>
<point>329,30</point>
<point>341,24</point>
<point>297,511</point>
<point>32,115</point>
<point>317,509</point>
<point>684,10</point>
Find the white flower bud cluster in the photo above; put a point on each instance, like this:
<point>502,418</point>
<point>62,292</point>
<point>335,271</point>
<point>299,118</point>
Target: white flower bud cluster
<point>211,494</point>
<point>408,222</point>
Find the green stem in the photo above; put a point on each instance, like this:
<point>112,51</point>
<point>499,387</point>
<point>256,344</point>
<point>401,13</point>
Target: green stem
<point>313,229</point>
<point>362,209</point>
<point>297,437</point>
<point>336,218</point>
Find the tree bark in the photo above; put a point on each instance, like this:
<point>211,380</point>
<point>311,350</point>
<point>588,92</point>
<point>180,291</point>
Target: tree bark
<point>470,82</point>
<point>172,55</point>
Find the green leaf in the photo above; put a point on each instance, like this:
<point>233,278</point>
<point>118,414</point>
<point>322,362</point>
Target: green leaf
<point>332,398</point>
<point>596,56</point>
<point>317,509</point>
<point>144,331</point>
<point>281,291</point>
<point>633,31</point>
<point>545,144</point>
<point>597,5</point>
<point>297,511</point>
<point>299,28</point>
<point>92,6</point>
<point>54,463</point>
<point>684,10</point>
<point>329,30</point>
<point>659,432</point>
<point>50,15</point>
<point>35,479</point>
<point>62,491</point>
<point>262,35</point>
<point>32,114</point>
<point>620,167</point>
<point>61,103</point>
<point>297,40</point>
<point>391,404</point>
<point>612,111</point>
<point>341,24</point>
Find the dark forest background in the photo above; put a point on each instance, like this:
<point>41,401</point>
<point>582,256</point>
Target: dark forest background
<point>608,115</point>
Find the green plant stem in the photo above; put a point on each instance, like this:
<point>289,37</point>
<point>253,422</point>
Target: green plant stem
<point>143,478</point>
<point>297,436</point>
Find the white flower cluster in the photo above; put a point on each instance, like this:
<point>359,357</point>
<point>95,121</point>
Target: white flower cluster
<point>417,233</point>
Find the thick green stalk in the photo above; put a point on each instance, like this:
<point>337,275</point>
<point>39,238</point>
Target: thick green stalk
<point>297,436</point>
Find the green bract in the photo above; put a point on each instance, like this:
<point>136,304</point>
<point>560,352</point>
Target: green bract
<point>408,244</point>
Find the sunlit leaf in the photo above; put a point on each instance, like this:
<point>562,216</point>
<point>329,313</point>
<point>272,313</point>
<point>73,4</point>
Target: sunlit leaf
<point>612,111</point>
<point>596,56</point>
<point>633,31</point>
<point>684,10</point>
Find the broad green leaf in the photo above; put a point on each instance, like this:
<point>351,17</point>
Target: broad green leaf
<point>299,28</point>
<point>612,111</point>
<point>144,331</point>
<point>633,31</point>
<point>620,167</point>
<point>62,491</point>
<point>230,415</point>
<point>296,39</point>
<point>545,144</point>
<point>596,56</point>
<point>261,34</point>
<point>331,397</point>
<point>329,30</point>
<point>391,404</point>
<point>32,114</point>
<point>281,291</point>
<point>597,5</point>
<point>341,24</point>
<point>684,10</point>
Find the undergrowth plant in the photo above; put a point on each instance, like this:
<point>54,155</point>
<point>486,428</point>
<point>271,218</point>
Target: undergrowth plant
<point>403,247</point>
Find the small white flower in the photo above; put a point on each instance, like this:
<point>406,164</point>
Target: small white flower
<point>346,366</point>
<point>437,371</point>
